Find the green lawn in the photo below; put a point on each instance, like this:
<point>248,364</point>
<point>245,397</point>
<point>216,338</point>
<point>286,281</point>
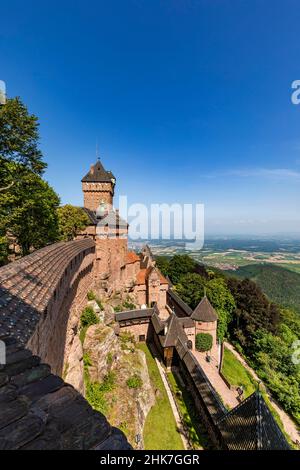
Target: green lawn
<point>160,430</point>
<point>197,435</point>
<point>236,374</point>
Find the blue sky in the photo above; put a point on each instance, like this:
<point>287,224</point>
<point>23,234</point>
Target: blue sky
<point>190,100</point>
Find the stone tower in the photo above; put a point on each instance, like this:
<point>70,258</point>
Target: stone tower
<point>106,227</point>
<point>98,187</point>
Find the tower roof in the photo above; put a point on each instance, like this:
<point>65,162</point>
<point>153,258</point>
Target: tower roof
<point>204,311</point>
<point>98,174</point>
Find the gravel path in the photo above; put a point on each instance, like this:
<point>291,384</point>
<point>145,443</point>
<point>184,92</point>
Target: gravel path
<point>229,397</point>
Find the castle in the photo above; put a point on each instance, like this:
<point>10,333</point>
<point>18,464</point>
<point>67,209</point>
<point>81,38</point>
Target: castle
<point>117,268</point>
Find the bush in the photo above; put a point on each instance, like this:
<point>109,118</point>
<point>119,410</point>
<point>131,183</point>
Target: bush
<point>118,308</point>
<point>128,304</point>
<point>108,382</point>
<point>126,337</point>
<point>96,397</point>
<point>88,317</point>
<point>134,382</point>
<point>204,342</point>
<point>91,295</point>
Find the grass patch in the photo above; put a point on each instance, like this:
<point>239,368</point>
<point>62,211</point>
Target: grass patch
<point>236,374</point>
<point>196,432</point>
<point>160,430</point>
<point>82,333</point>
<point>134,382</point>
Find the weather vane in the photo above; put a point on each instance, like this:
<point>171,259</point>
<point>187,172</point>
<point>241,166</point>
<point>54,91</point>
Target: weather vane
<point>97,150</point>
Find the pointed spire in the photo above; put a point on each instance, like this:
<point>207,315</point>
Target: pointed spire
<point>204,311</point>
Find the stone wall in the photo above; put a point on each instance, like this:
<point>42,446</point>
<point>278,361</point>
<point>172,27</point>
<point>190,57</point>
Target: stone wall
<point>94,193</point>
<point>54,334</point>
<point>138,330</point>
<point>110,258</point>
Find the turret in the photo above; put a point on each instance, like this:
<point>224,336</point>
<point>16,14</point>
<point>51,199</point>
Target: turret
<point>98,187</point>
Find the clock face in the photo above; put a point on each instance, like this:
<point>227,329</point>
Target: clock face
<point>113,180</point>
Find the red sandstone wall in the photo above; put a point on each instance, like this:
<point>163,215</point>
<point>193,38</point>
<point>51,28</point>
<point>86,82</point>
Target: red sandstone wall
<point>137,330</point>
<point>94,193</point>
<point>56,329</point>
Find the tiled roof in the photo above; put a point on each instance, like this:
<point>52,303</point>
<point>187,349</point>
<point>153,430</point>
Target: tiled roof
<point>204,311</point>
<point>98,174</point>
<point>205,389</point>
<point>186,322</point>
<point>172,298</point>
<point>132,257</point>
<point>91,214</point>
<point>134,314</point>
<point>112,219</point>
<point>175,331</point>
<point>157,323</point>
<point>143,275</point>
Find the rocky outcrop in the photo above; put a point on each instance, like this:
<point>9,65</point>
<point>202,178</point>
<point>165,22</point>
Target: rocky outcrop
<point>127,406</point>
<point>73,373</point>
<point>109,314</point>
<point>103,348</point>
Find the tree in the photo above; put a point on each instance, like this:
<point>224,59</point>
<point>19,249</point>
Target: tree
<point>222,300</point>
<point>180,265</point>
<point>19,139</point>
<point>27,203</point>
<point>253,311</point>
<point>71,221</point>
<point>28,212</point>
<point>162,262</point>
<point>204,342</point>
<point>191,289</point>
